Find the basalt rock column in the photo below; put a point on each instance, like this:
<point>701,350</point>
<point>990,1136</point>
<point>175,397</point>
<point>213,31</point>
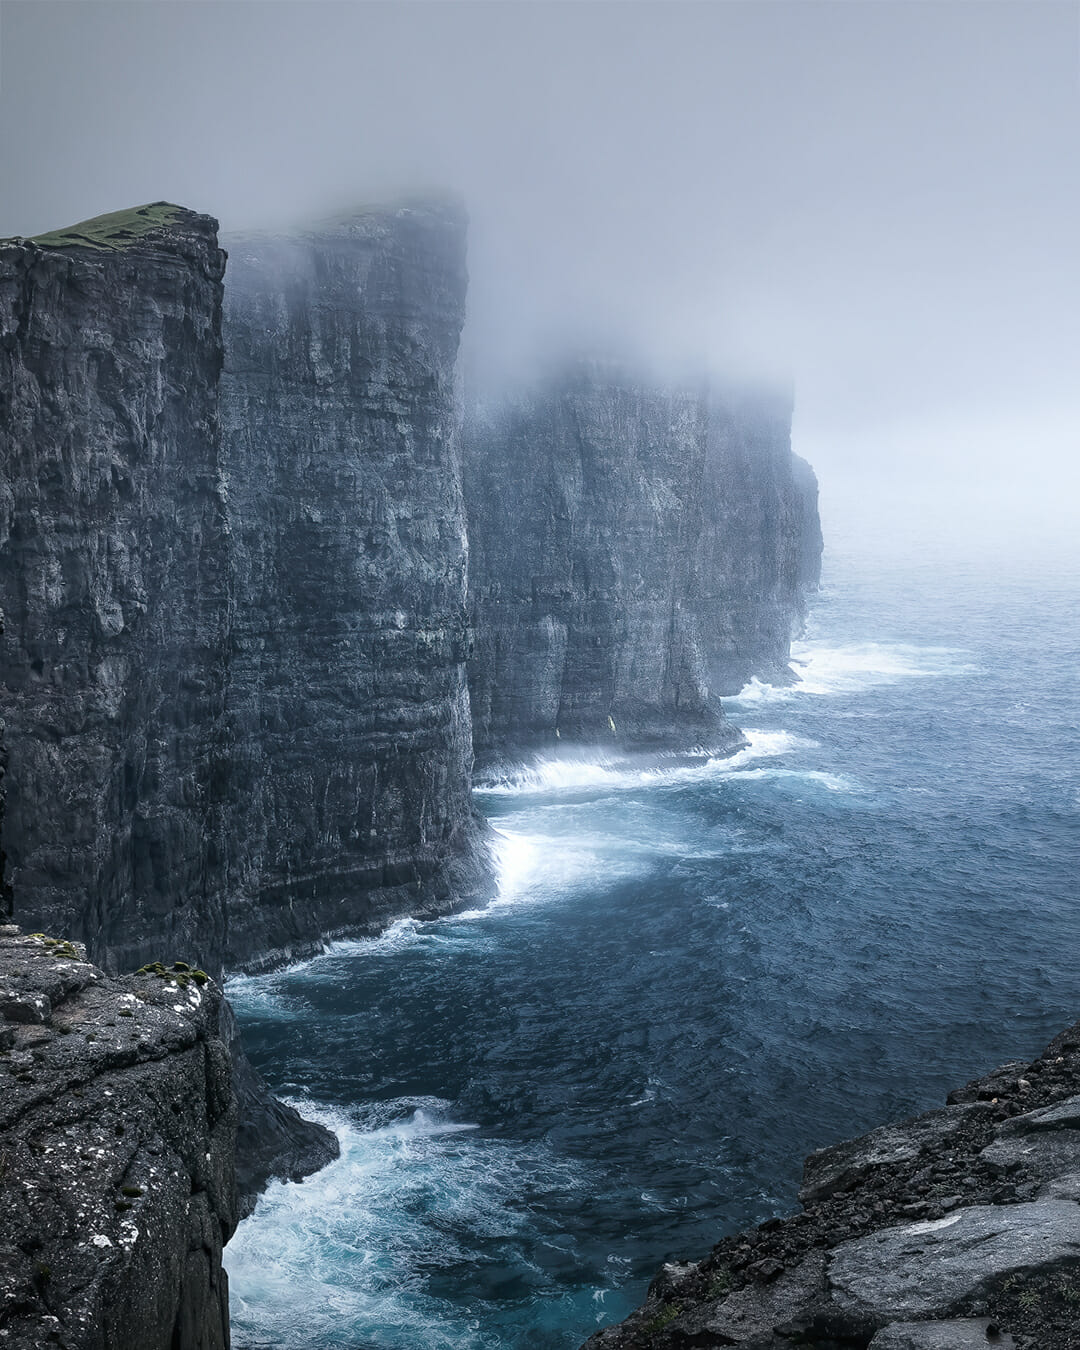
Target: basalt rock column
<point>348,701</point>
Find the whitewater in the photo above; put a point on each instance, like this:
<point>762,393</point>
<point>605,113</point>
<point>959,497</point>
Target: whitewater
<point>694,972</point>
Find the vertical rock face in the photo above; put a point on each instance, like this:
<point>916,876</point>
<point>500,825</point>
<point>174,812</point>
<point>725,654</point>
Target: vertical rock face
<point>634,552</point>
<point>348,701</point>
<point>117,1187</point>
<point>113,583</point>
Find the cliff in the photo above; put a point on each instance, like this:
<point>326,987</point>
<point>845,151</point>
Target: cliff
<point>955,1230</point>
<point>347,703</point>
<point>635,551</point>
<point>114,587</point>
<point>117,1188</point>
<point>113,583</point>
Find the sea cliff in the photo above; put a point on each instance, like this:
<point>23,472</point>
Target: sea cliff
<point>116,601</point>
<point>113,583</point>
<point>117,1144</point>
<point>348,705</point>
<point>636,550</point>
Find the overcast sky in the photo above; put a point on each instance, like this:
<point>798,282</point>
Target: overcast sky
<point>881,199</point>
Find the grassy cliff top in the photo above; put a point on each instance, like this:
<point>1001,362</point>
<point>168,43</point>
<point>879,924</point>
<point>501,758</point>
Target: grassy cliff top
<point>117,230</point>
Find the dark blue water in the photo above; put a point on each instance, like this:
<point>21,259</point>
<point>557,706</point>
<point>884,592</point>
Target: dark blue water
<point>693,976</point>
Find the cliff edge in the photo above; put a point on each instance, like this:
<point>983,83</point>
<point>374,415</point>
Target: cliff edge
<point>347,704</point>
<point>117,1136</point>
<point>636,551</point>
<point>958,1229</point>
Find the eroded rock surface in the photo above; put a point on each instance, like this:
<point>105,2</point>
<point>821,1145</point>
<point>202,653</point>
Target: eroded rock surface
<point>957,1229</point>
<point>635,552</point>
<point>117,1129</point>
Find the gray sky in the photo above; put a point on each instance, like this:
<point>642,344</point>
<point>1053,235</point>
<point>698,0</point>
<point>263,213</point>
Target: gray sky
<point>881,198</point>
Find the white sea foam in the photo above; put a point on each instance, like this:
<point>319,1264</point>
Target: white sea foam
<point>346,1254</point>
<point>567,775</point>
<point>824,669</point>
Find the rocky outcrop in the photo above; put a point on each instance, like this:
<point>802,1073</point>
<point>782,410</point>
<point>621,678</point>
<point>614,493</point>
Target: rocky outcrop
<point>348,702</point>
<point>957,1229</point>
<point>113,583</point>
<point>117,1127</point>
<point>635,551</point>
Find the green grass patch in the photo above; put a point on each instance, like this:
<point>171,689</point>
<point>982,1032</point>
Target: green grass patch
<point>666,1314</point>
<point>117,230</point>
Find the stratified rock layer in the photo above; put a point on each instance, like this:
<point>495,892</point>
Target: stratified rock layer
<point>348,701</point>
<point>118,1122</point>
<point>635,552</point>
<point>954,1230</point>
<point>113,584</point>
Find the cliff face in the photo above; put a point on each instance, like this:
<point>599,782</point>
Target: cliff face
<point>348,701</point>
<point>118,1122</point>
<point>955,1230</point>
<point>634,553</point>
<point>113,583</point>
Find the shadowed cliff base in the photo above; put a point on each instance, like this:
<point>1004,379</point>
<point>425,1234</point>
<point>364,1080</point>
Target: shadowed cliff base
<point>954,1230</point>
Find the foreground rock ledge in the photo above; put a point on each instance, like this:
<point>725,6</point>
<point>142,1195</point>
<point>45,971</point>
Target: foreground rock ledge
<point>957,1229</point>
<point>117,1140</point>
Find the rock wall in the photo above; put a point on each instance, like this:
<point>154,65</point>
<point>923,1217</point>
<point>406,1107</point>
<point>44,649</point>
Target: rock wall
<point>956,1230</point>
<point>348,701</point>
<point>117,1187</point>
<point>113,582</point>
<point>114,585</point>
<point>6,902</point>
<point>635,551</point>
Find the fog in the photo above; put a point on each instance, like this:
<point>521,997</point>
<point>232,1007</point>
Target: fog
<point>878,201</point>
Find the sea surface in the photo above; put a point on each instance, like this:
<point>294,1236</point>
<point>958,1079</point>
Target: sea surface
<point>694,973</point>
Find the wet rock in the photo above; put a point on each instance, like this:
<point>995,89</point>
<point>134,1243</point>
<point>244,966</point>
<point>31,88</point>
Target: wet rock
<point>842,1166</point>
<point>990,1254</point>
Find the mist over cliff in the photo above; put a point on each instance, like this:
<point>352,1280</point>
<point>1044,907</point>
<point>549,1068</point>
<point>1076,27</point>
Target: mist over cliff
<point>880,201</point>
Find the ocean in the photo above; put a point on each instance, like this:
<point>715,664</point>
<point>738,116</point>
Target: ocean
<point>694,973</point>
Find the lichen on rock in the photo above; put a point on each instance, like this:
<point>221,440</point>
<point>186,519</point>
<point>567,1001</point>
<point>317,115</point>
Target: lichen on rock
<point>117,1144</point>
